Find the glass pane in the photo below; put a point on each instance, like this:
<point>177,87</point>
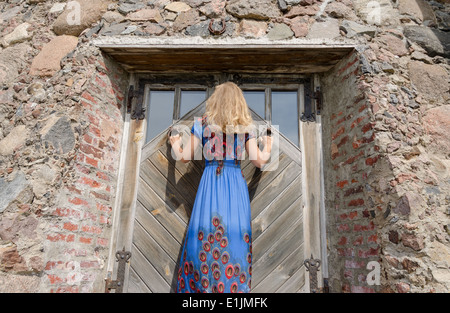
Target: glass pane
<point>190,99</point>
<point>285,113</point>
<point>160,112</point>
<point>256,102</point>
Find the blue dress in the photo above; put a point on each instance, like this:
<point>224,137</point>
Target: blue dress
<point>217,251</point>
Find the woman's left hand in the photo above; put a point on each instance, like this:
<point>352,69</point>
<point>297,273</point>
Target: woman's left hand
<point>174,139</point>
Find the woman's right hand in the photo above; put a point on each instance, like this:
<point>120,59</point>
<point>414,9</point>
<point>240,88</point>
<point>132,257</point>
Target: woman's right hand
<point>267,143</point>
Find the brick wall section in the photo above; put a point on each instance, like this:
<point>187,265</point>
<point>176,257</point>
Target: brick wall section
<point>349,156</point>
<point>80,230</point>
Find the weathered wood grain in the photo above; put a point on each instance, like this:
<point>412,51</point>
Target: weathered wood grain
<point>242,59</point>
<point>161,211</point>
<point>157,257</point>
<point>146,273</point>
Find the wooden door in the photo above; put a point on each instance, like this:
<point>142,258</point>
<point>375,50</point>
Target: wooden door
<point>165,197</point>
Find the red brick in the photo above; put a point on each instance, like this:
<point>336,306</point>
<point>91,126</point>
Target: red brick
<point>100,196</point>
<point>343,141</point>
<point>95,130</point>
<point>341,120</point>
<point>63,212</point>
<point>366,127</point>
<point>85,240</point>
<point>103,208</point>
<point>362,108</point>
<point>87,138</point>
<point>343,228</point>
<point>89,264</point>
<point>86,95</point>
<point>70,226</point>
<point>342,241</point>
<point>339,132</point>
<point>352,191</point>
<point>372,238</point>
<point>78,201</point>
<point>93,119</point>
<point>356,202</point>
<point>103,176</point>
<point>91,229</point>
<point>91,161</point>
<point>357,121</point>
<point>370,226</point>
<point>100,82</point>
<point>342,183</point>
<point>371,161</point>
<point>55,279</point>
<point>90,150</point>
<point>371,252</point>
<point>358,241</point>
<point>348,65</point>
<point>354,158</point>
<point>102,242</point>
<point>90,182</point>
<point>104,219</point>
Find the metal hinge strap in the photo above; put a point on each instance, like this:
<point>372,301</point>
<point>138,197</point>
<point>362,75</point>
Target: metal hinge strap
<point>312,266</point>
<point>122,257</point>
<point>139,110</point>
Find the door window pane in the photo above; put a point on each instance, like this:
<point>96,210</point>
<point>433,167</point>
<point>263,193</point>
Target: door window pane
<point>190,99</point>
<point>285,114</point>
<point>256,102</point>
<point>160,112</point>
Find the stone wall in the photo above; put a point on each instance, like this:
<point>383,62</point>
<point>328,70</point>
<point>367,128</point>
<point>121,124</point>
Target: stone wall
<point>385,119</point>
<point>387,200</point>
<point>61,116</point>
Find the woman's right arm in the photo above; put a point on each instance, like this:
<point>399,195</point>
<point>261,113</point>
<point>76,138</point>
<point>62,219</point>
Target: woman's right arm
<point>259,157</point>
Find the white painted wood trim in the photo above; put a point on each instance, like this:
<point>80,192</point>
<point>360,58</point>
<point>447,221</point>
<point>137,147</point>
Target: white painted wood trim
<point>323,217</point>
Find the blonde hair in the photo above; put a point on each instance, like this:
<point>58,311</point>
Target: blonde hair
<point>227,107</point>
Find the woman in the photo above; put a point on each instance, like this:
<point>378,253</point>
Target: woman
<point>217,252</point>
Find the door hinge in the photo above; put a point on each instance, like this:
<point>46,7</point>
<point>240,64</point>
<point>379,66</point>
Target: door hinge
<point>122,257</point>
<point>139,110</point>
<point>312,266</point>
<point>318,97</point>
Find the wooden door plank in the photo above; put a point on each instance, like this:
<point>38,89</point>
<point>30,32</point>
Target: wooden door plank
<point>282,273</point>
<point>270,236</point>
<point>161,261</point>
<point>147,273</point>
<point>288,200</point>
<point>262,179</point>
<point>135,283</point>
<point>165,190</point>
<point>173,176</point>
<point>160,234</point>
<point>194,166</point>
<point>271,188</point>
<point>287,242</point>
<point>161,211</point>
<point>295,283</point>
<point>254,175</point>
